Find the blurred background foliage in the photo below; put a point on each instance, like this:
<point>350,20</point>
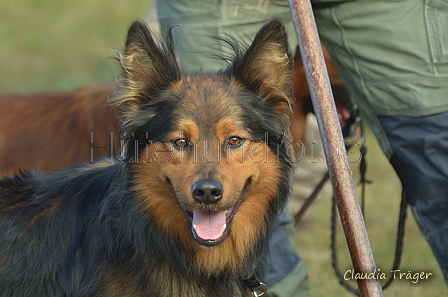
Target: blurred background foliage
<point>62,44</point>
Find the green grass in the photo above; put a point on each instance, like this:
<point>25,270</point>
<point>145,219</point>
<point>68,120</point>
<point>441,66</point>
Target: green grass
<point>62,44</point>
<point>49,44</point>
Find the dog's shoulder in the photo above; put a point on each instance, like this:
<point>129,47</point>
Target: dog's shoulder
<point>27,190</point>
<point>48,216</point>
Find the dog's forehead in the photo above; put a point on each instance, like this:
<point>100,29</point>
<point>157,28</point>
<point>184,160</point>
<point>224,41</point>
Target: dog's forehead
<point>208,92</point>
<point>209,102</point>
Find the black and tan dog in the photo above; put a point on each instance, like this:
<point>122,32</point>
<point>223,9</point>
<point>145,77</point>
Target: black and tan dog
<point>187,210</point>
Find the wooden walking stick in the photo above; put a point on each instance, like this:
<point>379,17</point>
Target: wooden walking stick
<point>333,142</point>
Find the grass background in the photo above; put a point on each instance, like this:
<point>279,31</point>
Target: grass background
<point>62,44</point>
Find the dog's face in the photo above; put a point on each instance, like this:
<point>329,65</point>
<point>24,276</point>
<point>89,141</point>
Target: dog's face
<point>203,155</point>
<point>209,156</point>
<point>209,152</point>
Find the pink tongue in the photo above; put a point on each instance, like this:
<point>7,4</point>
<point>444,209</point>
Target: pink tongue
<point>209,225</point>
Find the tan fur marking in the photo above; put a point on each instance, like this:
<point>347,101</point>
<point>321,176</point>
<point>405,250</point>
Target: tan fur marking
<point>117,284</point>
<point>188,129</point>
<point>45,212</point>
<point>12,206</point>
<point>228,127</point>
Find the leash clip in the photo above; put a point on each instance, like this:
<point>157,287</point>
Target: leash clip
<point>252,282</point>
<point>264,289</point>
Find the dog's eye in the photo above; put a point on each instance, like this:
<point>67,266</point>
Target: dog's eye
<point>181,143</point>
<point>235,141</point>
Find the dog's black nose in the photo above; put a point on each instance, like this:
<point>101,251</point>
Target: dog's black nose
<point>207,191</point>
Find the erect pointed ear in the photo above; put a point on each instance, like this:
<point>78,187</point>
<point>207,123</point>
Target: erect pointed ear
<point>149,66</point>
<point>267,66</point>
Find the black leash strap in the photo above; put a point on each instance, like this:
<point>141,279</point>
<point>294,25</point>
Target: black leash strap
<point>398,248</point>
<point>400,237</point>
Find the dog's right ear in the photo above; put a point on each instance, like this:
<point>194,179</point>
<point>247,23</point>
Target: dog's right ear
<point>149,65</point>
<point>267,66</point>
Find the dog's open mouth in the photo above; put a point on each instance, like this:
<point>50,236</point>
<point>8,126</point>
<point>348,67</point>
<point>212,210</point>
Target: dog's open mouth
<point>210,228</point>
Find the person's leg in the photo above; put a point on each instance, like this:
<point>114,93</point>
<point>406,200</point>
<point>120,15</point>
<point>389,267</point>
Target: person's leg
<point>286,273</point>
<point>420,146</point>
<point>393,57</point>
<point>384,53</point>
<point>296,284</point>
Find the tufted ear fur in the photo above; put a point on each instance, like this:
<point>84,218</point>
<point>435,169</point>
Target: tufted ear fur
<point>267,66</point>
<point>148,67</point>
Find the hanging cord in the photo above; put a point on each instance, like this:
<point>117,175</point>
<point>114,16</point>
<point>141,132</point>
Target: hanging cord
<point>334,258</point>
<point>363,163</point>
<point>398,248</point>
<point>400,237</point>
<point>355,129</point>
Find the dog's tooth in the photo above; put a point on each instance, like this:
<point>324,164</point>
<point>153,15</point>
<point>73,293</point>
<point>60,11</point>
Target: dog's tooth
<point>194,227</point>
<point>225,226</point>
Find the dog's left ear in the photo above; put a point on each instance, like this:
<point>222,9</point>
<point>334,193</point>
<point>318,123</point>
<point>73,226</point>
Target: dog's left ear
<point>267,66</point>
<point>149,65</point>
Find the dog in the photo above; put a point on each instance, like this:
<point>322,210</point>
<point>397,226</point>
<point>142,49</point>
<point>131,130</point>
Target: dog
<point>187,209</point>
<point>48,131</point>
